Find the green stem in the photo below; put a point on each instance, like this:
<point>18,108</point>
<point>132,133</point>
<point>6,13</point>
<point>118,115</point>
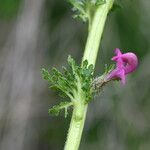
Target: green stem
<point>76,128</point>
<point>96,27</point>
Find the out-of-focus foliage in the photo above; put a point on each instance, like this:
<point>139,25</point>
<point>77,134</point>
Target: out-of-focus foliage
<point>9,8</point>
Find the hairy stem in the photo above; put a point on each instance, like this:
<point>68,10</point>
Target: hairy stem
<point>96,26</point>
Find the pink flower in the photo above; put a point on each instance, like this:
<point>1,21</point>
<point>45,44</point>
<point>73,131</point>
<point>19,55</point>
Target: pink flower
<point>125,64</point>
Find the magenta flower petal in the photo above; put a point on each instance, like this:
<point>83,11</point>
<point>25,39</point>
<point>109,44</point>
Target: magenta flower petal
<point>131,61</point>
<point>125,64</point>
<point>118,74</point>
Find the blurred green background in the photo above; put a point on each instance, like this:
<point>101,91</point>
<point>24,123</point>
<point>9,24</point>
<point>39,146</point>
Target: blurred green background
<point>42,33</point>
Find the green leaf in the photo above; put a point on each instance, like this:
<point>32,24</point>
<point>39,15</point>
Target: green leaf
<point>85,63</point>
<point>71,62</point>
<point>85,8</point>
<point>45,74</point>
<point>55,110</point>
<point>100,2</point>
<point>71,82</point>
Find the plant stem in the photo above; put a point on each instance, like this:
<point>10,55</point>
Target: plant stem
<point>75,130</point>
<point>96,26</point>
